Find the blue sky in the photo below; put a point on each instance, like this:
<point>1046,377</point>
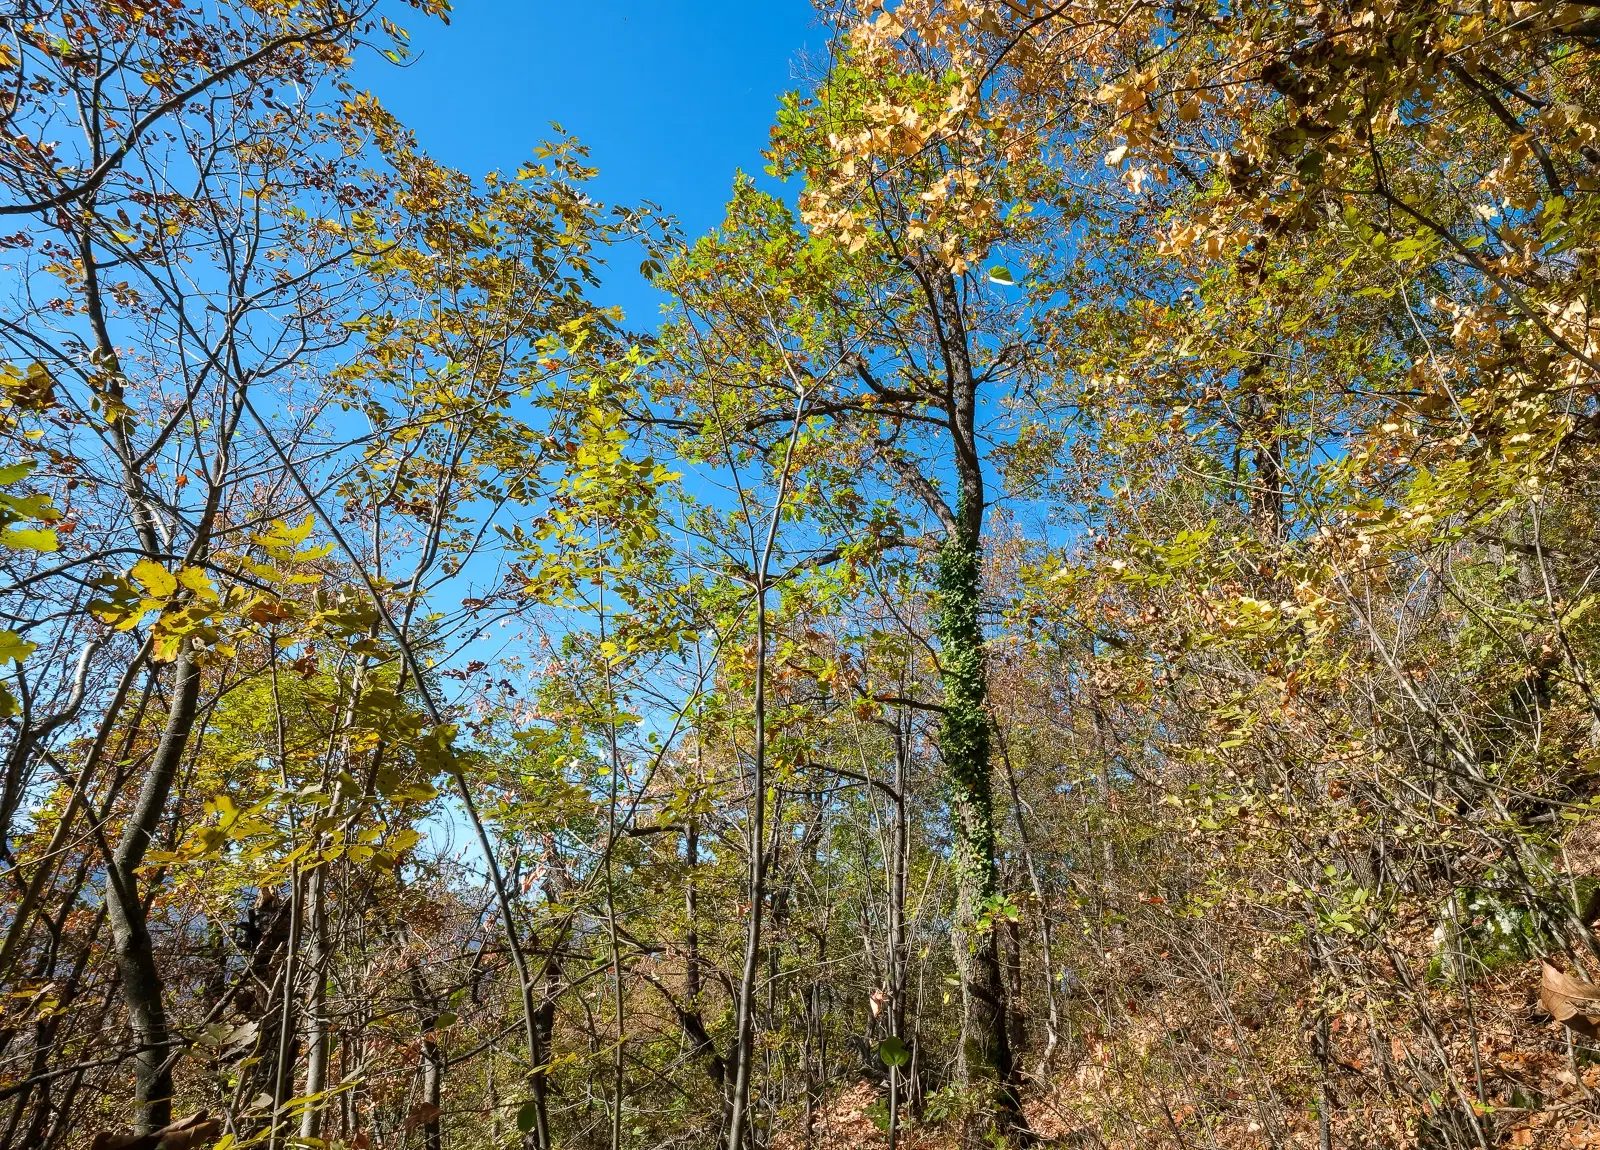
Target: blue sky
<point>671,96</point>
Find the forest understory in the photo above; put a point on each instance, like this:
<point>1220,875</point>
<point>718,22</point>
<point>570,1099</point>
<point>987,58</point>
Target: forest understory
<point>1076,622</point>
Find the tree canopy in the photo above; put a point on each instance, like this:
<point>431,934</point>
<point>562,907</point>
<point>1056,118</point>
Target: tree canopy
<point>1072,625</point>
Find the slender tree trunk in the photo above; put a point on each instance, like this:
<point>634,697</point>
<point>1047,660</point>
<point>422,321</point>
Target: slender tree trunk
<point>432,1060</point>
<point>808,1052</point>
<point>271,936</point>
<point>136,963</point>
<point>543,1029</point>
<point>1017,1019</point>
<point>816,1043</point>
<point>691,934</point>
<point>1102,779</point>
<point>494,1100</point>
<point>318,1040</point>
<point>316,1008</point>
<point>744,1024</point>
<point>1321,1038</point>
<point>556,884</point>
<point>744,1034</point>
<point>288,1048</point>
<point>898,851</point>
<point>1046,949</point>
<point>618,1079</point>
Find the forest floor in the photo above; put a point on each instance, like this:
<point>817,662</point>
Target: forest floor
<point>1537,1092</point>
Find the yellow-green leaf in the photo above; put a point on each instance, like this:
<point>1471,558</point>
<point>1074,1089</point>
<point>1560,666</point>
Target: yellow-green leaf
<point>29,539</point>
<point>14,646</point>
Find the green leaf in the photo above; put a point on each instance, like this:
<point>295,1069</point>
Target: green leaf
<point>893,1052</point>
<point>1000,274</point>
<point>525,1116</point>
<point>16,472</point>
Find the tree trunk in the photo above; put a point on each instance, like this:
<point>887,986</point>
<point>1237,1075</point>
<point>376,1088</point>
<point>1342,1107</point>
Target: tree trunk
<point>1046,947</point>
<point>318,1024</point>
<point>544,1016</point>
<point>1017,1020</point>
<point>691,934</point>
<point>985,1059</point>
<point>899,850</point>
<point>316,1008</point>
<point>556,884</point>
<point>432,1060</point>
<point>744,1024</point>
<point>269,932</point>
<point>136,963</point>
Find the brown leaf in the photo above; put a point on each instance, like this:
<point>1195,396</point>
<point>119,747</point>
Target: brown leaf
<point>191,1134</point>
<point>185,1134</point>
<point>105,1140</point>
<point>1570,1001</point>
<point>422,1114</point>
<point>877,1000</point>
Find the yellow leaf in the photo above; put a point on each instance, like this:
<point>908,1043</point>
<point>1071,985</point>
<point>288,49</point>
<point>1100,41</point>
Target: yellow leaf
<point>155,578</point>
<point>195,579</point>
<point>299,534</point>
<point>133,618</point>
<point>166,648</point>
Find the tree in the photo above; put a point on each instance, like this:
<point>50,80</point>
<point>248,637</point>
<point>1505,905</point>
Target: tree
<point>871,315</point>
<point>437,714</point>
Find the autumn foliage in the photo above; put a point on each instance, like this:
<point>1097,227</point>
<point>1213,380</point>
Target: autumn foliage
<point>1077,625</point>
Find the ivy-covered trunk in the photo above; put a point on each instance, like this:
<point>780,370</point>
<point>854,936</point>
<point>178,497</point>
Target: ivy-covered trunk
<point>985,1060</point>
<point>985,1057</point>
